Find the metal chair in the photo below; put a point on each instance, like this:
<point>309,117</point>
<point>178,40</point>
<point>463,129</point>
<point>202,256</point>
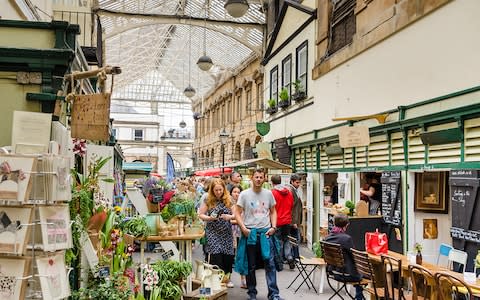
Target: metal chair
<point>423,283</point>
<point>444,250</point>
<point>459,257</point>
<point>364,267</point>
<point>393,284</point>
<point>333,257</point>
<point>451,287</point>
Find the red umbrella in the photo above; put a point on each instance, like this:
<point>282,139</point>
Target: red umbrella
<point>213,172</point>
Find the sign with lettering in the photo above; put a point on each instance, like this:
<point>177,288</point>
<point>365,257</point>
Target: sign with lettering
<point>467,235</point>
<point>91,117</point>
<point>283,150</point>
<point>391,197</point>
<point>353,136</point>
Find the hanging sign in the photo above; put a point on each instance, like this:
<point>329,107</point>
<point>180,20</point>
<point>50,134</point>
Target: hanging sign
<point>263,128</point>
<point>91,117</point>
<point>353,136</point>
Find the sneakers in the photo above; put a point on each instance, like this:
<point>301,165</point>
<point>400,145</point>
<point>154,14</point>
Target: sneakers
<point>291,264</point>
<point>230,284</point>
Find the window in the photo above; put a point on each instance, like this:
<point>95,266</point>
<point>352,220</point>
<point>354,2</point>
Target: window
<point>274,83</point>
<point>287,74</point>
<point>302,66</point>
<point>138,134</point>
<point>114,132</point>
<point>342,24</point>
<point>259,95</point>
<point>249,100</point>
<point>239,106</point>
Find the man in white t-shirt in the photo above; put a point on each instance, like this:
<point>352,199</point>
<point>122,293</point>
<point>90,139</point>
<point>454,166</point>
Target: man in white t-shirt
<point>258,226</point>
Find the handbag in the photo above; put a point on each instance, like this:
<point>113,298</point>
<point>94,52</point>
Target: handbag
<point>376,242</point>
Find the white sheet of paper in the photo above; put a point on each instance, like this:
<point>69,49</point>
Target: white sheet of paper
<point>31,128</point>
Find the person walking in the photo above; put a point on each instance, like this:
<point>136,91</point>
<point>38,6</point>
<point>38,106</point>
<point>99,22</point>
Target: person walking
<point>284,205</point>
<point>258,225</point>
<point>217,212</point>
<point>297,212</point>
<point>235,179</point>
<point>338,236</point>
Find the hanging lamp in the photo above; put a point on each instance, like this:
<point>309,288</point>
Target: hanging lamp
<point>205,63</point>
<point>189,91</point>
<point>236,8</point>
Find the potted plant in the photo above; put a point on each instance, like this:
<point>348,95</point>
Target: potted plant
<point>299,92</point>
<point>284,97</point>
<point>418,249</point>
<point>272,106</point>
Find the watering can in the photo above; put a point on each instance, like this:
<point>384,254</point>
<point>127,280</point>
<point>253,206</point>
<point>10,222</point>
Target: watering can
<point>212,277</point>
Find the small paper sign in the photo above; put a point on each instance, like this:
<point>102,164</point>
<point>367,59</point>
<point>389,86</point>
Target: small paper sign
<point>354,136</point>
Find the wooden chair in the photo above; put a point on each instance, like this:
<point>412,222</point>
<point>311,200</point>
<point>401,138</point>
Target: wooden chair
<point>333,257</point>
<point>393,284</point>
<point>451,287</point>
<point>364,267</point>
<point>423,283</point>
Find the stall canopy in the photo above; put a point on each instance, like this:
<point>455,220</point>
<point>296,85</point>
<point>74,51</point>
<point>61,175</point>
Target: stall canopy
<point>213,172</point>
<point>137,166</point>
<point>262,162</point>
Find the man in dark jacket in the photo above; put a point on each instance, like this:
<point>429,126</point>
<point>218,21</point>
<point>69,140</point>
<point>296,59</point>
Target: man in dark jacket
<point>297,211</point>
<point>338,236</point>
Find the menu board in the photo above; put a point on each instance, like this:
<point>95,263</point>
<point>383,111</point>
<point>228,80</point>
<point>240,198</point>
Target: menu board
<point>463,193</point>
<point>283,150</point>
<point>391,198</point>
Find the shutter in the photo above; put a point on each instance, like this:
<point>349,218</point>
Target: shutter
<point>443,153</point>
<point>323,158</point>
<point>361,153</point>
<point>309,158</point>
<point>396,146</point>
<point>378,151</point>
<point>416,149</point>
<point>472,139</point>
<point>348,157</point>
<point>335,161</point>
<point>298,159</point>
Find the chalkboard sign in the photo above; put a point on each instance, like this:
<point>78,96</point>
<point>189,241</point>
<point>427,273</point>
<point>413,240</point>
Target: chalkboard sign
<point>283,150</point>
<point>391,198</point>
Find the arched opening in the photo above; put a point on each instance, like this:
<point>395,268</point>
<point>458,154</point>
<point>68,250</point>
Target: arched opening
<point>247,150</point>
<point>212,158</point>
<point>207,158</point>
<point>237,152</point>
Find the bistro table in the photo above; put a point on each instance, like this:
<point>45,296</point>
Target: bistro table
<point>185,245</point>
<point>431,267</point>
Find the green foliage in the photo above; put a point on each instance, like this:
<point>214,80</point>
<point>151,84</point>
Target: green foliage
<point>284,95</point>
<point>179,207</point>
<point>114,288</point>
<point>272,103</point>
<point>136,226</point>
<point>170,274</point>
<point>297,84</point>
<point>351,206</point>
<point>317,249</point>
<point>418,247</point>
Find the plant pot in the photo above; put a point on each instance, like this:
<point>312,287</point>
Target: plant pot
<point>283,103</point>
<point>272,110</point>
<point>299,96</point>
<point>418,258</point>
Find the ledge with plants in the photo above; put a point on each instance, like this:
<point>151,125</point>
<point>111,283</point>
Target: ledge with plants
<point>272,106</point>
<point>299,93</point>
<point>284,100</point>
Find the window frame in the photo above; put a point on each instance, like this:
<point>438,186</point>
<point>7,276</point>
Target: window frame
<point>135,135</point>
<point>302,46</point>
<point>273,71</point>
<point>288,58</point>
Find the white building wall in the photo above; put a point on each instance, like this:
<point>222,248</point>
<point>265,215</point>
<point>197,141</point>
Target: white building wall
<point>434,56</point>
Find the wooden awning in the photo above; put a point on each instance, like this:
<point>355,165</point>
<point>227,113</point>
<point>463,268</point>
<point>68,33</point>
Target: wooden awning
<point>262,162</point>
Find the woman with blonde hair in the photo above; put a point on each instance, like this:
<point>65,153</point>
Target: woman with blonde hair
<point>216,212</point>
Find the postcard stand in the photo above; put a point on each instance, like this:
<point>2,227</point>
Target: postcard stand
<point>35,252</point>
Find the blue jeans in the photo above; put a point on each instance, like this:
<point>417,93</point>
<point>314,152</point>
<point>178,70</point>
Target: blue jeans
<point>254,254</point>
<point>282,234</point>
<point>295,232</point>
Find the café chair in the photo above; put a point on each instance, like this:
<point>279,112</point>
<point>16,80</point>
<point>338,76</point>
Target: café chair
<point>424,286</point>
<point>393,284</point>
<point>364,268</point>
<point>333,257</point>
<point>444,250</point>
<point>452,287</point>
<point>459,257</point>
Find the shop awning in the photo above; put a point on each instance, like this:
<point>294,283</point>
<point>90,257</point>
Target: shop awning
<point>137,166</point>
<point>213,172</point>
<point>262,162</point>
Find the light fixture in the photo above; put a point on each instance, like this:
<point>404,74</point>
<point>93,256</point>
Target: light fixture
<point>182,124</point>
<point>224,136</point>
<point>205,63</point>
<point>189,91</point>
<point>236,8</point>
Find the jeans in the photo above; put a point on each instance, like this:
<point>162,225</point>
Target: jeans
<point>253,254</point>
<point>295,232</point>
<point>282,234</point>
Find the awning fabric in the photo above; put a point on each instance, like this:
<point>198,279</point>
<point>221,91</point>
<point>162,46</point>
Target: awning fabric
<point>139,166</point>
<point>213,172</point>
<point>262,162</point>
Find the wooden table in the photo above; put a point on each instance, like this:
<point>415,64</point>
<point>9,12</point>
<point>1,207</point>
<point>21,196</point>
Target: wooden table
<point>185,244</point>
<point>431,267</point>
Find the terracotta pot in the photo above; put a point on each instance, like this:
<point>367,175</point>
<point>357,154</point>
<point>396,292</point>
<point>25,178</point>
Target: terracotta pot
<point>97,221</point>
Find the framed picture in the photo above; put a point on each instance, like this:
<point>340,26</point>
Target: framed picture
<point>12,276</point>
<point>53,276</point>
<point>430,229</point>
<point>12,234</point>
<point>15,173</point>
<point>55,225</point>
<point>431,192</point>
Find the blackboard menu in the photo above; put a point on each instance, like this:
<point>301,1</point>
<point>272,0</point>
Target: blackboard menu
<point>283,150</point>
<point>463,194</point>
<point>391,198</point>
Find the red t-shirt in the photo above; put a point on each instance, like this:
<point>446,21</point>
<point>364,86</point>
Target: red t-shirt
<point>284,199</point>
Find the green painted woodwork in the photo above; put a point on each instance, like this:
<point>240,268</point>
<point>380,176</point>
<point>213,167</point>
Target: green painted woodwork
<point>44,97</point>
<point>441,136</point>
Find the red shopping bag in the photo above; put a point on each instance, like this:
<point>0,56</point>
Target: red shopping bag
<point>376,242</point>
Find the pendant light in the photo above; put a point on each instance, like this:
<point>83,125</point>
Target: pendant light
<point>236,8</point>
<point>189,90</point>
<point>205,63</point>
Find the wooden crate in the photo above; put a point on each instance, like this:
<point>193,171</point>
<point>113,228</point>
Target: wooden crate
<point>218,295</point>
